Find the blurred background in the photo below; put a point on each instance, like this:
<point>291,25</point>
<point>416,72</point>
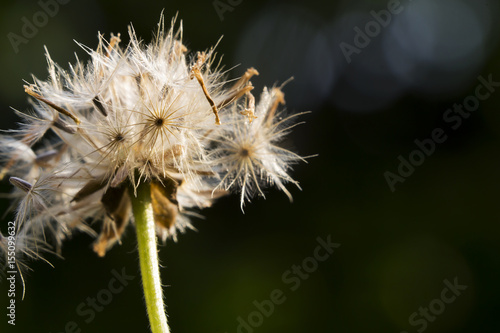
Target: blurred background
<point>376,76</point>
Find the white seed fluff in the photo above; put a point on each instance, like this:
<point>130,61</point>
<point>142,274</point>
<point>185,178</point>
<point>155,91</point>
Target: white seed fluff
<point>143,113</point>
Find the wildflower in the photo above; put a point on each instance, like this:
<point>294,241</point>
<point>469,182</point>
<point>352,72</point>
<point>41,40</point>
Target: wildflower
<point>139,133</point>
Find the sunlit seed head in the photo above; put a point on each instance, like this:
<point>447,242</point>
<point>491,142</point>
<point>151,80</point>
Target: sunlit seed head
<point>137,113</point>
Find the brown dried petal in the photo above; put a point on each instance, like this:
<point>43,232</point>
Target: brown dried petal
<point>117,204</point>
<point>164,201</point>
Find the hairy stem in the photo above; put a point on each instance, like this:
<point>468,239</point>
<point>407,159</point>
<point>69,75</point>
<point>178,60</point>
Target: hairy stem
<point>148,257</point>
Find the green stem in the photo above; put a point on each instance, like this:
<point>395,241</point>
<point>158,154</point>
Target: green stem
<point>148,257</point>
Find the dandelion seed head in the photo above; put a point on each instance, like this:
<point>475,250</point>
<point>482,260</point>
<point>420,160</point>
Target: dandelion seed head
<point>138,113</point>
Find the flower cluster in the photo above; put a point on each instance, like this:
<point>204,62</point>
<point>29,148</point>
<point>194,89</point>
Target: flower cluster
<point>143,113</point>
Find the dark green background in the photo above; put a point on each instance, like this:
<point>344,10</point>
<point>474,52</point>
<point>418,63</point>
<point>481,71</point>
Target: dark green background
<point>396,248</point>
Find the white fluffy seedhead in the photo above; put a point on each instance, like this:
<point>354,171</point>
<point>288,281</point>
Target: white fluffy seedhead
<point>248,152</point>
<point>141,113</point>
